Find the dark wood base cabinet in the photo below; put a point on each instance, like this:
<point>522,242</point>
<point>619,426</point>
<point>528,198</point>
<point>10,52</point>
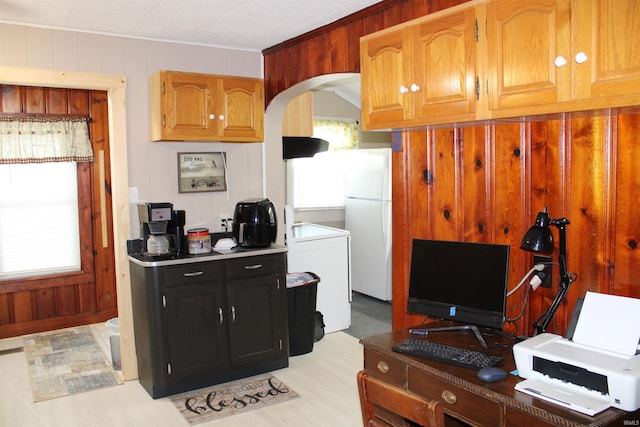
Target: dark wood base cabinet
<point>204,323</point>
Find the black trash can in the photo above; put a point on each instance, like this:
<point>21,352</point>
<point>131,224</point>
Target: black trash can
<point>302,290</point>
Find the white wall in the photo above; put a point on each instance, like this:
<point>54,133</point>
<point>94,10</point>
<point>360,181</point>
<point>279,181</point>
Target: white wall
<point>152,166</point>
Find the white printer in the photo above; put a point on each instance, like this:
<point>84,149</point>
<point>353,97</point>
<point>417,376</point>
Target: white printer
<point>593,371</point>
<point>576,376</point>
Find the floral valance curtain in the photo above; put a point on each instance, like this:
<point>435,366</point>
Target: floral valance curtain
<point>40,140</point>
<point>341,134</point>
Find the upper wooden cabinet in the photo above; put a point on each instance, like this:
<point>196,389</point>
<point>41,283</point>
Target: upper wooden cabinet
<point>204,107</point>
<point>562,55</point>
<point>497,59</point>
<point>385,72</point>
<point>421,72</point>
<point>523,43</point>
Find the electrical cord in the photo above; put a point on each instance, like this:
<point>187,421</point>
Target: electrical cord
<point>524,306</point>
<point>537,267</point>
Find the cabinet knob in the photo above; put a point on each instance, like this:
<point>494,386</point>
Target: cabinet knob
<point>403,90</point>
<point>212,116</point>
<point>449,397</point>
<point>220,316</point>
<point>581,57</point>
<point>414,88</point>
<point>221,117</point>
<point>560,61</point>
<point>383,366</point>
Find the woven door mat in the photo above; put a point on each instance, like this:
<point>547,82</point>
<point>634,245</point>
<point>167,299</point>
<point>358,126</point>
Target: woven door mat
<point>232,398</point>
<point>65,362</point>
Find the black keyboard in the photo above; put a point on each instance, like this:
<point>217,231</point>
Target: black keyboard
<point>446,353</point>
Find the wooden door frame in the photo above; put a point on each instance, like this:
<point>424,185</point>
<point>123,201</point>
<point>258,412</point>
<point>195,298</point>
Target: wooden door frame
<point>115,86</point>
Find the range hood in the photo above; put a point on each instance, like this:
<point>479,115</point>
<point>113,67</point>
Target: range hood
<point>302,146</point>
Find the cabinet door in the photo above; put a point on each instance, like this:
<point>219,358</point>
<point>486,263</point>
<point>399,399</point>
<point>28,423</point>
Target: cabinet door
<point>524,40</point>
<point>240,108</point>
<point>256,295</point>
<point>445,67</point>
<point>187,105</point>
<point>196,332</point>
<point>255,327</point>
<point>386,77</point>
<point>609,37</point>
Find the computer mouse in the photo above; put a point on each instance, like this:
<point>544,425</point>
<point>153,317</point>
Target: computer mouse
<point>492,374</point>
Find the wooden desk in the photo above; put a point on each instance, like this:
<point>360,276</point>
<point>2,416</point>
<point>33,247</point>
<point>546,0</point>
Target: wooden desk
<point>467,400</point>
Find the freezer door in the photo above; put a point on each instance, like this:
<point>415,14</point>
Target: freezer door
<point>369,223</point>
<point>368,175</point>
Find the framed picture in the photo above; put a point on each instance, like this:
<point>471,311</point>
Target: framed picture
<point>201,172</point>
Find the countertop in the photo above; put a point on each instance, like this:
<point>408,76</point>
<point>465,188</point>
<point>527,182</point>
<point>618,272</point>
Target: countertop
<point>306,231</point>
<point>237,252</point>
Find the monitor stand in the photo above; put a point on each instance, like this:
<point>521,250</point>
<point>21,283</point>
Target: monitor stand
<point>473,328</point>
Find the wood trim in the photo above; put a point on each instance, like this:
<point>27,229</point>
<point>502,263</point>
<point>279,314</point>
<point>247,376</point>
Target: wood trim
<point>61,79</point>
<point>34,326</point>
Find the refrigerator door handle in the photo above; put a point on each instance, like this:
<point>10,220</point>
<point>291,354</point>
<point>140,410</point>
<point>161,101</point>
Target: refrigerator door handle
<point>386,221</point>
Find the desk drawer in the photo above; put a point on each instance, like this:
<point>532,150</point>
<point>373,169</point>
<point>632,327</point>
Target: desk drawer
<point>517,418</point>
<point>457,401</point>
<point>385,368</point>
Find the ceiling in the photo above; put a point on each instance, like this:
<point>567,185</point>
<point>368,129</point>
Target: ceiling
<point>237,24</point>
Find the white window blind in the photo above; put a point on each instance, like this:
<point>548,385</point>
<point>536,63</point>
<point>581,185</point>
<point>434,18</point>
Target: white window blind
<point>39,225</point>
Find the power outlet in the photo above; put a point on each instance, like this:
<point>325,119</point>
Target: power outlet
<point>225,223</point>
<point>548,269</point>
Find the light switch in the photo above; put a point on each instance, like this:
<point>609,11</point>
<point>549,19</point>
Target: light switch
<point>133,194</point>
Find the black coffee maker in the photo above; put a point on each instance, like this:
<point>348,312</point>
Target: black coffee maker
<point>154,219</point>
<point>162,229</point>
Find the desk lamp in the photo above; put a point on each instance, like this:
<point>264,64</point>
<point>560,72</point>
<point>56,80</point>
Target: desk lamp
<point>539,239</point>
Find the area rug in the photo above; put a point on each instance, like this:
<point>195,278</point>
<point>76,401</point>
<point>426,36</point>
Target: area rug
<point>232,398</point>
<point>66,362</point>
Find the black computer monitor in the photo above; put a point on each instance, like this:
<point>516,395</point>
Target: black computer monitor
<point>461,281</point>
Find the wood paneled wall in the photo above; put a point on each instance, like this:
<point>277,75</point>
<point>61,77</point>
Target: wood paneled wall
<point>89,296</point>
<point>487,182</point>
<point>335,48</point>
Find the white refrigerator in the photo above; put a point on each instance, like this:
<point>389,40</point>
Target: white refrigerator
<point>368,219</point>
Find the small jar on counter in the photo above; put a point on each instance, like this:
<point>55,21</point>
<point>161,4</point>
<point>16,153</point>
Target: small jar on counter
<point>198,241</point>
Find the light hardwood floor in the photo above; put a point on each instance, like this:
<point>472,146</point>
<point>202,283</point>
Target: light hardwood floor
<point>325,379</point>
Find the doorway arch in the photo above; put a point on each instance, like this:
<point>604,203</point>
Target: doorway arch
<point>274,167</point>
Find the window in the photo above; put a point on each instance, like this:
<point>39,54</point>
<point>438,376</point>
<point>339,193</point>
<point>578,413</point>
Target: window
<point>39,226</point>
<point>318,182</point>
